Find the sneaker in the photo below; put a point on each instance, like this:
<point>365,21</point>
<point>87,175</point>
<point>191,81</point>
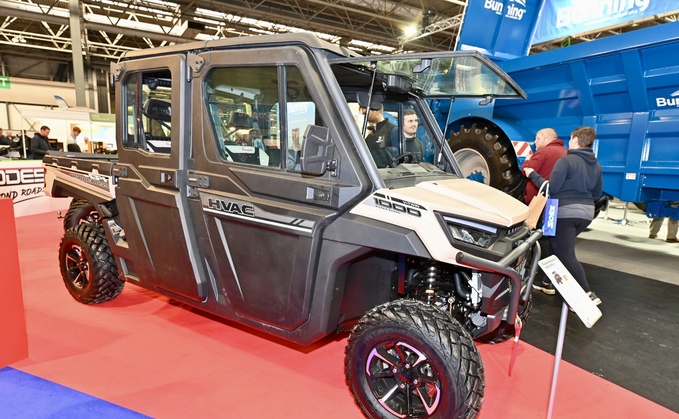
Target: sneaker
<point>596,300</point>
<point>652,236</point>
<point>545,287</point>
<point>672,240</point>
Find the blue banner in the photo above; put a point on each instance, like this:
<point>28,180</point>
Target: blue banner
<point>499,28</point>
<point>562,18</point>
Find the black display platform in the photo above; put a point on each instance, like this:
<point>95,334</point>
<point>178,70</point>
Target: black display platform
<point>634,344</point>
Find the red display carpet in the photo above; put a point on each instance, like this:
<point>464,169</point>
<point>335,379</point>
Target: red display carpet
<point>148,354</point>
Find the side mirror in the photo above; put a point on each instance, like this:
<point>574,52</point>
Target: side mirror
<point>317,151</point>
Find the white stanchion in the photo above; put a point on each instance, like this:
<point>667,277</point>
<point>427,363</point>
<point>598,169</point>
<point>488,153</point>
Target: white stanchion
<point>557,358</point>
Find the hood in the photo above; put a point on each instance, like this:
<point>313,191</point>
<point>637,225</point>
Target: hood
<point>415,208</point>
<point>460,197</point>
<point>470,199</point>
<point>586,153</point>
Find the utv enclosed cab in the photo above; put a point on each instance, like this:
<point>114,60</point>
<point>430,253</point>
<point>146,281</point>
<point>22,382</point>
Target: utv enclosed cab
<point>244,186</point>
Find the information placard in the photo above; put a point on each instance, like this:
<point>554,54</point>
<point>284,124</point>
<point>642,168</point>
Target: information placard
<point>570,290</point>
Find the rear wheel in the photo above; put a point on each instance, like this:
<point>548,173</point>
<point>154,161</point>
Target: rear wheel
<point>80,211</point>
<point>486,155</point>
<point>87,266</point>
<point>407,359</point>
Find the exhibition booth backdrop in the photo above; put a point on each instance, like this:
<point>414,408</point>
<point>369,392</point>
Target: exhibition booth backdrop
<point>23,182</point>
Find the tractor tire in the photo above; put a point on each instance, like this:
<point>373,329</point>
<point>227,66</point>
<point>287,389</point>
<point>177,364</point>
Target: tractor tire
<point>487,155</point>
<point>87,265</point>
<point>407,359</point>
<point>80,211</point>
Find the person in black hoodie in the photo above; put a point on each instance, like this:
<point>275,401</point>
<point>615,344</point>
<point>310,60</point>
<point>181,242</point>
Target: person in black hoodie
<point>576,181</point>
<point>40,143</point>
<point>381,133</point>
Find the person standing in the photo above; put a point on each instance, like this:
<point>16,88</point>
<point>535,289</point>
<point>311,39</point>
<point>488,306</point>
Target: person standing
<point>40,143</point>
<point>548,149</point>
<point>576,181</point>
<point>672,227</point>
<point>72,142</point>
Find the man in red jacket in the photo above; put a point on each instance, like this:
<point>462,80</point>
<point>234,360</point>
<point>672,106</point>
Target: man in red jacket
<point>548,149</point>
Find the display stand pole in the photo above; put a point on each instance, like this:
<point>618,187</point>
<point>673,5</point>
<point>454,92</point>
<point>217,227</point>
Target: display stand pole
<point>557,358</point>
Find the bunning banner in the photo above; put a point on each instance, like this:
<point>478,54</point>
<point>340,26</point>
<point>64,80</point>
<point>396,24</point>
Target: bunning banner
<point>562,18</point>
<point>500,29</point>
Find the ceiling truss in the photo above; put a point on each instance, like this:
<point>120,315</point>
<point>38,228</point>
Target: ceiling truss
<point>111,27</point>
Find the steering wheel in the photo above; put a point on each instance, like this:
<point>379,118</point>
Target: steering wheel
<point>401,158</point>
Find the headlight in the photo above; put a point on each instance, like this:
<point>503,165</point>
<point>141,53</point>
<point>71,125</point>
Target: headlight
<point>471,232</point>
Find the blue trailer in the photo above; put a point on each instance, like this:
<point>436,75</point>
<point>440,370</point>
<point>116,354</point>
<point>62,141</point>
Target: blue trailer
<point>625,86</point>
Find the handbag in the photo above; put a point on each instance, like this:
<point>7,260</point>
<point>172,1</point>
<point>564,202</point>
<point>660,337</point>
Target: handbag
<point>536,205</point>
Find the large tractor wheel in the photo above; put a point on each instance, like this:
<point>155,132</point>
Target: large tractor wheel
<point>80,211</point>
<point>87,265</point>
<point>488,156</point>
<point>406,359</point>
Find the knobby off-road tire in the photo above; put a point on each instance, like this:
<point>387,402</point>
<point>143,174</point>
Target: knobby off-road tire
<point>87,265</point>
<point>80,211</point>
<point>410,360</point>
<point>487,154</point>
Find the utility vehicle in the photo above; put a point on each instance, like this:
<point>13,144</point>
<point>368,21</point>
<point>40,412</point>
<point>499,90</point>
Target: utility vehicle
<point>243,185</point>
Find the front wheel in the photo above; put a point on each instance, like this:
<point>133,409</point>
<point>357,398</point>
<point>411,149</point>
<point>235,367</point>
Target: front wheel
<point>87,265</point>
<point>407,359</point>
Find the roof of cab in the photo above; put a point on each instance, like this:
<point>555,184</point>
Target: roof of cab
<point>255,40</point>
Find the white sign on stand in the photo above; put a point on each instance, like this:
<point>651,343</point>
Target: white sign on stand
<point>575,297</point>
<point>570,290</point>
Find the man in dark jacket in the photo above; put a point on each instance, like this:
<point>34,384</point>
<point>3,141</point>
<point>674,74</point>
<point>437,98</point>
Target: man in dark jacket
<point>40,143</point>
<point>576,182</point>
<point>5,140</point>
<point>379,139</point>
<point>548,149</point>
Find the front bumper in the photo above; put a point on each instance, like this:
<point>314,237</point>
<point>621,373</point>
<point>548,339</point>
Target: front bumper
<point>503,266</point>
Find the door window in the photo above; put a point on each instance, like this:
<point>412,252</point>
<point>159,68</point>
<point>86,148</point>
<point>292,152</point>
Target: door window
<point>148,97</point>
<point>259,114</point>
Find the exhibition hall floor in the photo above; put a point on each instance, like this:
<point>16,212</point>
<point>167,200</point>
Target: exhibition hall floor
<point>145,355</point>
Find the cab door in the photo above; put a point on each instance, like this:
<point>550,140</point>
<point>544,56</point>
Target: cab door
<point>264,219</point>
<point>158,248</point>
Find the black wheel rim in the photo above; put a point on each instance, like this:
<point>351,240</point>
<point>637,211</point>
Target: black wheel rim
<point>403,380</point>
<point>77,267</point>
<point>90,218</point>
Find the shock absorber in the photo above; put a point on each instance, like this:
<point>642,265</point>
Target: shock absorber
<point>431,277</point>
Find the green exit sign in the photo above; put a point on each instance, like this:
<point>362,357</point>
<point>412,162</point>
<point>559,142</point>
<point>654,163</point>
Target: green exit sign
<point>4,82</point>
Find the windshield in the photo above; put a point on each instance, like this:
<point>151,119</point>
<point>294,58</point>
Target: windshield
<point>447,74</point>
<point>411,174</point>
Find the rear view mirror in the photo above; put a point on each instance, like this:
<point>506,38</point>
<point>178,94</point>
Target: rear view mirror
<point>317,151</point>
